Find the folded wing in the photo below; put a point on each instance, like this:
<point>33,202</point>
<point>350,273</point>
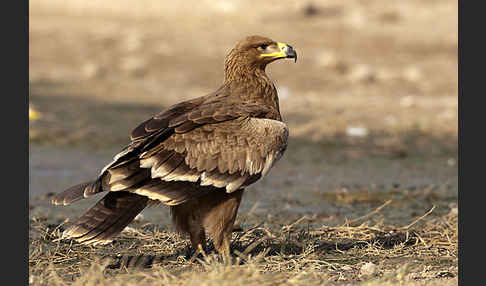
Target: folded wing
<point>191,149</point>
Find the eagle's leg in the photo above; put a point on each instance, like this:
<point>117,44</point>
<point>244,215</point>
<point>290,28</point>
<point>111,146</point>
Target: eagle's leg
<point>187,219</point>
<point>219,215</point>
<point>198,240</point>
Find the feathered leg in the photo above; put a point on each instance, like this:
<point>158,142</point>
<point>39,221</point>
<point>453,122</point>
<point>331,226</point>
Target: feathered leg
<point>213,213</point>
<point>187,220</point>
<point>219,216</point>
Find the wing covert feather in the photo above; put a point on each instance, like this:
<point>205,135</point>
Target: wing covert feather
<point>217,145</point>
<point>226,154</point>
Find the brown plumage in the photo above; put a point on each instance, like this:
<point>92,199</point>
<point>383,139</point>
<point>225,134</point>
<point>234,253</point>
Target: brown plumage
<point>197,156</point>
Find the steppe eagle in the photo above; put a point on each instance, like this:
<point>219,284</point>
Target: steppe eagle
<point>197,156</point>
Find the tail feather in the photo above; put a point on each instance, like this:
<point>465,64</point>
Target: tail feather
<point>93,188</point>
<point>71,195</point>
<point>107,218</point>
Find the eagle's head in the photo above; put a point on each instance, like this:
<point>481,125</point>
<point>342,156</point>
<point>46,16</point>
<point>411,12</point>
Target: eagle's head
<point>256,52</point>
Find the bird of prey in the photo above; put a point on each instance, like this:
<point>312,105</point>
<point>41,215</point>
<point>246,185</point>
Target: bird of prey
<point>196,157</point>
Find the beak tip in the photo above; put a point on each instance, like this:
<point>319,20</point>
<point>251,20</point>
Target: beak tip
<point>291,53</point>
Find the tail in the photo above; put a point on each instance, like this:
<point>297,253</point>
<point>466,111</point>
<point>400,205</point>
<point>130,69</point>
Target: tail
<point>75,193</point>
<point>107,218</point>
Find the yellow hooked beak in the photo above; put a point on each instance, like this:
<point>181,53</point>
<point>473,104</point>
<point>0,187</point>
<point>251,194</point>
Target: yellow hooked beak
<point>284,51</point>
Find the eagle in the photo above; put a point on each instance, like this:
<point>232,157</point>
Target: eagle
<point>197,157</point>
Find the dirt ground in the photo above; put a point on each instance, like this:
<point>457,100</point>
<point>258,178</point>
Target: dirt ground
<point>366,193</point>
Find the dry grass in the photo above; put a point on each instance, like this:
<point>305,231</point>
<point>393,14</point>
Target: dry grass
<point>300,253</point>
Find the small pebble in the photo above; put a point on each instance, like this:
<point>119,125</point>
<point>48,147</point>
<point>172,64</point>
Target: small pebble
<point>368,269</point>
<point>129,229</point>
<point>356,131</point>
<point>139,217</point>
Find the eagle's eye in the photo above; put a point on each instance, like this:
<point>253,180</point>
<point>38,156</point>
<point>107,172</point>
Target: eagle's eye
<point>262,47</point>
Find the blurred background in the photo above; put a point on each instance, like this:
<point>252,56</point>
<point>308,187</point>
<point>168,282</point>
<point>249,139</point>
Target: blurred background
<point>371,103</point>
